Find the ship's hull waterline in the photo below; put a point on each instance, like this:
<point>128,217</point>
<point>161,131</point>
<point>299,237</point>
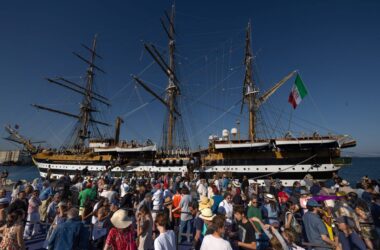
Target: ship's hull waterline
<point>286,173</point>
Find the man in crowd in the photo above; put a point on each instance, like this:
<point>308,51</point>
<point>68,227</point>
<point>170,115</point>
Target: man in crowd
<point>215,240</point>
<point>71,234</point>
<point>316,231</point>
<point>246,232</point>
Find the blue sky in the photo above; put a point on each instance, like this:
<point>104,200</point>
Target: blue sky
<point>333,44</point>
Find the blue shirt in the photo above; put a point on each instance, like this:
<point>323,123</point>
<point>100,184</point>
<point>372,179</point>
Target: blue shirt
<point>46,193</point>
<point>351,242</point>
<point>314,228</point>
<point>71,234</point>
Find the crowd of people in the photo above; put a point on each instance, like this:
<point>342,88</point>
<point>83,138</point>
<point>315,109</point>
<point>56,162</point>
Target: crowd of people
<point>170,212</point>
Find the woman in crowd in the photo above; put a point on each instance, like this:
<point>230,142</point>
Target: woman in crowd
<point>144,229</point>
<point>122,235</point>
<point>13,232</point>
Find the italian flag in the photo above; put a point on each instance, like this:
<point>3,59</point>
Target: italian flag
<point>298,92</point>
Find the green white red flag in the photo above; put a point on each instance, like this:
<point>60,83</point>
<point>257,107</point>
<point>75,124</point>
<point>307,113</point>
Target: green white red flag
<point>298,92</point>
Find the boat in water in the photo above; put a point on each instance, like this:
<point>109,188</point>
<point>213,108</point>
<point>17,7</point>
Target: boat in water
<point>288,158</point>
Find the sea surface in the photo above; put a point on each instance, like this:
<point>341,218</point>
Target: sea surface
<point>360,167</point>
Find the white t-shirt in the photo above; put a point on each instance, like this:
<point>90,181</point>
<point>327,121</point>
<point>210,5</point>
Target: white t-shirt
<point>110,195</point>
<point>211,243</point>
<point>165,241</point>
<point>124,187</point>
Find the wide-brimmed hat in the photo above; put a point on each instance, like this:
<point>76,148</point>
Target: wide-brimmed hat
<point>120,219</point>
<point>205,202</point>
<point>168,201</point>
<point>236,183</point>
<point>4,201</point>
<point>344,183</point>
<point>206,214</point>
<point>270,197</point>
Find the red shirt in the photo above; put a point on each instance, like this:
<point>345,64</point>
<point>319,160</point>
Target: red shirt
<point>283,197</point>
<point>119,239</point>
<point>176,200</point>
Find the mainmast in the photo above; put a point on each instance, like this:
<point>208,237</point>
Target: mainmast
<point>172,90</point>
<point>86,107</point>
<point>249,90</point>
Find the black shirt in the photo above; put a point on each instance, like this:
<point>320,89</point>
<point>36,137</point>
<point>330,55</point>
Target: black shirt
<point>246,233</point>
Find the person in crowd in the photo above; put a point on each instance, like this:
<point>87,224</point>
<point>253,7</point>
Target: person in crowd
<point>215,240</point>
<point>316,231</point>
<point>19,203</point>
<point>217,197</point>
<point>13,232</point>
<point>166,239</point>
<point>185,220</point>
<point>197,225</point>
<point>87,194</point>
<point>157,201</point>
<point>271,208</point>
<point>255,211</point>
<point>4,203</point>
<point>109,193</point>
<point>70,233</point>
<point>226,208</point>
<point>375,212</point>
<point>246,235</point>
<point>124,187</point>
<point>168,207</point>
<point>52,208</point>
<point>290,221</point>
<point>176,212</point>
<point>33,218</point>
<point>202,188</point>
<point>347,236</point>
<point>144,229</point>
<point>367,230</point>
<point>122,236</point>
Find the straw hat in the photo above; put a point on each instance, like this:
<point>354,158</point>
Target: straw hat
<point>206,214</point>
<point>236,183</point>
<point>168,201</point>
<point>269,197</point>
<point>345,183</point>
<point>4,201</point>
<point>120,219</point>
<point>205,202</point>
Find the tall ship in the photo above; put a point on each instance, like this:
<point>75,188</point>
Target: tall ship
<point>288,158</point>
<point>86,150</point>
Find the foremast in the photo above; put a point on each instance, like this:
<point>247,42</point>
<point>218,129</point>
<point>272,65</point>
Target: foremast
<point>85,118</point>
<point>172,90</point>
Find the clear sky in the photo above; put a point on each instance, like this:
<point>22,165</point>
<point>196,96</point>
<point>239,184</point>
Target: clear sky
<point>335,45</point>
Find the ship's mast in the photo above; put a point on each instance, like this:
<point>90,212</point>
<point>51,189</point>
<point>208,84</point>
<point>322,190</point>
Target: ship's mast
<point>85,117</point>
<point>249,90</point>
<point>172,90</point>
<point>86,107</point>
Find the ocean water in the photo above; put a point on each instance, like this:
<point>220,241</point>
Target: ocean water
<point>360,167</point>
